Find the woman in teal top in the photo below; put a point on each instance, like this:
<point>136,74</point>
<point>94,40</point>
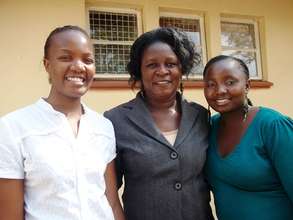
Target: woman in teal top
<point>250,158</point>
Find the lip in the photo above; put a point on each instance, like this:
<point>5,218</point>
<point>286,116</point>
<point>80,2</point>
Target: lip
<point>162,82</point>
<point>222,101</point>
<point>78,80</point>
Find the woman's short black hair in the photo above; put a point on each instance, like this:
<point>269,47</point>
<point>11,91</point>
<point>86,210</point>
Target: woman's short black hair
<point>177,40</point>
<point>219,58</point>
<point>59,30</point>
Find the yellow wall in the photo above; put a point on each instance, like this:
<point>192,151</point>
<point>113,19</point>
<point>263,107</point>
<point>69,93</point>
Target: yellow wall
<point>25,25</point>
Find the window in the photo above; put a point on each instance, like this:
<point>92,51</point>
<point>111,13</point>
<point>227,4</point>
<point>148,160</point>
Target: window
<point>240,38</point>
<point>193,25</point>
<point>112,32</point>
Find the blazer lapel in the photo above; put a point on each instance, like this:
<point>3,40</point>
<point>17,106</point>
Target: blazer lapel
<point>189,115</point>
<point>140,116</point>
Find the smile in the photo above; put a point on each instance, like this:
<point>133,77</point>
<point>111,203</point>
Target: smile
<point>75,79</point>
<point>163,82</point>
<point>222,101</point>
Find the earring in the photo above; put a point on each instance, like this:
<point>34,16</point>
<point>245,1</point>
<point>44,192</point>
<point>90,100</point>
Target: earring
<point>245,109</point>
<point>181,87</point>
<point>142,93</point>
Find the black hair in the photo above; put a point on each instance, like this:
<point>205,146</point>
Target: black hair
<point>178,42</point>
<point>219,58</point>
<point>60,30</point>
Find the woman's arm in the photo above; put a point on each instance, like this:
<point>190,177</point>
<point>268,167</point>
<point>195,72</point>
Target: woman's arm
<point>279,142</point>
<point>112,191</point>
<point>11,199</point>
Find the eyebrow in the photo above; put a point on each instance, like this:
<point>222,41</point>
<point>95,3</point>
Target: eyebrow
<point>69,51</point>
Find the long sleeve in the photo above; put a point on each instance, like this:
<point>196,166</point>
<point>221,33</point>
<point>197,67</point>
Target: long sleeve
<point>279,143</point>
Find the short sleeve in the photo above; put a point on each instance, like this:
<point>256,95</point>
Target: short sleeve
<point>111,147</point>
<point>111,150</point>
<point>279,142</point>
<point>11,159</point>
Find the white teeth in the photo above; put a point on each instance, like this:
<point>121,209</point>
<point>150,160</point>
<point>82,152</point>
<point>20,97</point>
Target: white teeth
<point>222,101</point>
<point>74,79</point>
<point>162,82</point>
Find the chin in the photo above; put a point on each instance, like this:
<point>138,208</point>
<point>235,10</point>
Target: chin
<point>77,94</point>
<point>220,109</point>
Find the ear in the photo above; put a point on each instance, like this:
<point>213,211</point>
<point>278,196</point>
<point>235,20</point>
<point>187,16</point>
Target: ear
<point>46,63</point>
<point>247,86</point>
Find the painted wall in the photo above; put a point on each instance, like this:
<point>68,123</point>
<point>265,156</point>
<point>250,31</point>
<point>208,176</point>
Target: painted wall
<point>25,25</point>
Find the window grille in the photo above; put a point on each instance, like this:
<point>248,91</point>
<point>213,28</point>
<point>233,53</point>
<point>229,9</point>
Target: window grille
<point>112,34</point>
<point>193,26</point>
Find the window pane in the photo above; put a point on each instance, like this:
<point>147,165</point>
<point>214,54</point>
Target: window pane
<point>193,30</point>
<point>197,69</point>
<point>108,25</point>
<point>192,26</point>
<point>237,35</point>
<point>248,57</point>
<point>111,58</point>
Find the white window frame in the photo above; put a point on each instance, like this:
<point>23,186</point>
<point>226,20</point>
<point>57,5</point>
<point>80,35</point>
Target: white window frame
<point>202,34</point>
<point>257,49</point>
<point>109,76</point>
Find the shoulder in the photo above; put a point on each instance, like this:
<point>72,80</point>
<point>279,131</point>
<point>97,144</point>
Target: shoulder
<point>269,115</point>
<point>19,123</point>
<point>24,117</point>
<point>98,122</point>
<point>193,105</point>
<point>120,110</point>
<point>21,113</point>
<point>271,120</point>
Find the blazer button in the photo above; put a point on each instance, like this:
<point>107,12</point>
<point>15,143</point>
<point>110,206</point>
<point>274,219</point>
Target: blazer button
<point>173,155</point>
<point>178,186</point>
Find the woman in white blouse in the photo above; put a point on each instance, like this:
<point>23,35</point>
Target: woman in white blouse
<point>56,156</point>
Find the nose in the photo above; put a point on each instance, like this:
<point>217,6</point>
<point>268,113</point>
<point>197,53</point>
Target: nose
<point>162,70</point>
<point>221,89</point>
<point>77,66</point>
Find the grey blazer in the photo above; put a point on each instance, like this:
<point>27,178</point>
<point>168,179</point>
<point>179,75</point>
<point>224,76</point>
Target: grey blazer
<point>162,182</point>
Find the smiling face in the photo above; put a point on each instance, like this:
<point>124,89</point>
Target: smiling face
<point>70,64</point>
<point>226,86</point>
<point>161,72</point>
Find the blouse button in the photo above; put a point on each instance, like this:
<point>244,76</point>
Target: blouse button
<point>173,155</point>
<point>178,186</point>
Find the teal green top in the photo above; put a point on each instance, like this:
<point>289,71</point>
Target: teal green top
<point>254,181</point>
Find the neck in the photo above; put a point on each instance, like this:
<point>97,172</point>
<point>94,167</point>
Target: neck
<point>233,117</point>
<point>71,107</point>
<point>161,105</point>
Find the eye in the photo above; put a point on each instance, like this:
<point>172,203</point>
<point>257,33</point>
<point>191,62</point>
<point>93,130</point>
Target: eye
<point>210,84</point>
<point>230,82</point>
<point>89,60</point>
<point>151,65</point>
<point>171,65</point>
<point>65,58</point>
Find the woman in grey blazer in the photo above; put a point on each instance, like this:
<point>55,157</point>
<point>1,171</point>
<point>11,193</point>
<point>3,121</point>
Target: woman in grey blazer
<point>161,138</point>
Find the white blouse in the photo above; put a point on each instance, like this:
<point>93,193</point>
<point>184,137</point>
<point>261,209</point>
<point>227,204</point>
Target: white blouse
<point>63,174</point>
